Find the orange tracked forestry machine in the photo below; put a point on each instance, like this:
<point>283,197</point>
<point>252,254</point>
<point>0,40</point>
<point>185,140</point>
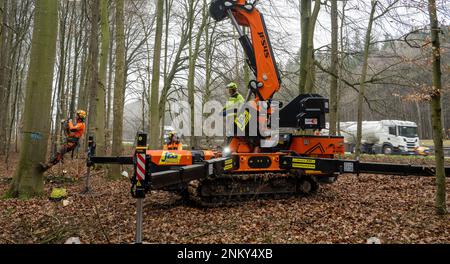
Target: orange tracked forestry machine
<point>295,165</point>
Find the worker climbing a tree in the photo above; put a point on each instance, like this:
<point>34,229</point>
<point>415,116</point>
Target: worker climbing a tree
<point>173,143</point>
<point>73,134</point>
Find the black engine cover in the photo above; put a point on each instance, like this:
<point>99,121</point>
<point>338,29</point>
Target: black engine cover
<point>307,111</point>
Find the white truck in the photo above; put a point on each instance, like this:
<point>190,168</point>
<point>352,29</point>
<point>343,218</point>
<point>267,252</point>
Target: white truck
<point>383,137</point>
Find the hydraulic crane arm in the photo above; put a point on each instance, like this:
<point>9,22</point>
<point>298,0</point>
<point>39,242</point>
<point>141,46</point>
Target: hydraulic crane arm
<point>259,51</point>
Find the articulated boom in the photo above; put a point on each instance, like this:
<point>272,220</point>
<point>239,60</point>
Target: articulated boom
<point>259,52</point>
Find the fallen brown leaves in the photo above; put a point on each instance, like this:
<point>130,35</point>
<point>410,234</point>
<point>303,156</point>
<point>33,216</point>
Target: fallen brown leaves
<point>392,208</point>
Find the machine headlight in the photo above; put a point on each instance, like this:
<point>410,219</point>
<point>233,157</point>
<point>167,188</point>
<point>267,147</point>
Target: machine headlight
<point>226,152</point>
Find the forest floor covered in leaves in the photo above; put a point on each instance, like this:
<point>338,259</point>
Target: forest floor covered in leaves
<point>394,209</point>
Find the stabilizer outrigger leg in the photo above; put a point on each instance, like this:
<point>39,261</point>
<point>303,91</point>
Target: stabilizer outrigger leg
<point>144,180</point>
<point>140,183</point>
<point>91,152</point>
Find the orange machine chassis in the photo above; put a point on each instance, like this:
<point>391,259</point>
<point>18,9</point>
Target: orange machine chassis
<point>251,160</point>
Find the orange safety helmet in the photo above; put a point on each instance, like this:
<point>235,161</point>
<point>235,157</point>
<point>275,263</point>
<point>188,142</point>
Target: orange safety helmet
<point>81,114</point>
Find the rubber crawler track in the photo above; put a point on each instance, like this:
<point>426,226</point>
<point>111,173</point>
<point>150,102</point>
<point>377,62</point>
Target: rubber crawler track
<point>232,189</point>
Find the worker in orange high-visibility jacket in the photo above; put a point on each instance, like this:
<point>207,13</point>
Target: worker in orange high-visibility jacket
<point>173,143</point>
<point>74,133</point>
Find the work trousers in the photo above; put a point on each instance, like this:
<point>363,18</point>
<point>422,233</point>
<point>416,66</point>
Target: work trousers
<point>68,147</point>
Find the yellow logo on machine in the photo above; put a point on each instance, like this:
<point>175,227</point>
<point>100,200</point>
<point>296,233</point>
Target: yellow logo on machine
<point>169,158</point>
<point>242,120</point>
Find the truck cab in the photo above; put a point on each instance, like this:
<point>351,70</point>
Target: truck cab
<point>399,137</point>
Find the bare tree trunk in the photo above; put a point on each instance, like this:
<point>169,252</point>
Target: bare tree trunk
<point>101,104</point>
<point>429,122</point>
<point>4,53</point>
<point>334,68</point>
<point>110,88</point>
<point>2,15</point>
<point>78,44</point>
<point>162,106</point>
<point>305,13</point>
<point>68,87</point>
<point>307,66</point>
<point>154,122</point>
<point>19,22</point>
<point>18,89</point>
<point>56,137</point>
<point>119,89</point>
<point>208,70</point>
<point>441,206</point>
<point>28,180</point>
<point>363,79</point>
<point>191,77</point>
<point>341,69</point>
<point>419,119</point>
<point>82,95</point>
<point>144,103</point>
<point>311,76</point>
<point>11,48</point>
<point>93,70</point>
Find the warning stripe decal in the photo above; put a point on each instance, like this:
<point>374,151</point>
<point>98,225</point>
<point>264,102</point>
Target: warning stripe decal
<point>140,168</point>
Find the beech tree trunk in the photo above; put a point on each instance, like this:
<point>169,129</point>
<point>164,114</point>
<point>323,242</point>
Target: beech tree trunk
<point>362,86</point>
<point>101,104</point>
<point>119,89</point>
<point>334,69</point>
<point>436,113</point>
<point>28,179</point>
<point>154,101</point>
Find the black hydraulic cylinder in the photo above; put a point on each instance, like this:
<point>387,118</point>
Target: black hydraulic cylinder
<point>248,49</point>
